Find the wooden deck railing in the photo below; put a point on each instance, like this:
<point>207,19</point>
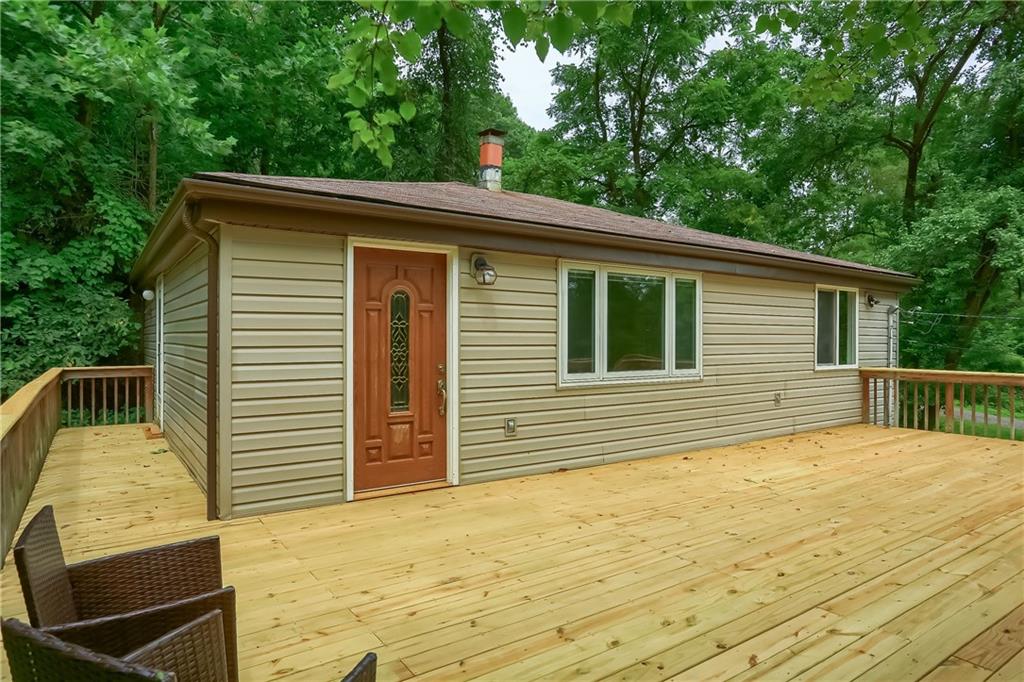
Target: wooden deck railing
<point>974,403</point>
<point>63,396</point>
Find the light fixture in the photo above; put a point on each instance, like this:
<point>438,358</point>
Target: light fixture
<point>872,301</point>
<point>483,272</point>
<point>148,294</point>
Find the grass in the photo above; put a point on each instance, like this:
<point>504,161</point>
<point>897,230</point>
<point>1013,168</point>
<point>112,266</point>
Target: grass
<point>987,430</point>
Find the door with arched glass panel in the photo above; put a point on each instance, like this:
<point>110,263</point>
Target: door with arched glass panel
<point>399,365</point>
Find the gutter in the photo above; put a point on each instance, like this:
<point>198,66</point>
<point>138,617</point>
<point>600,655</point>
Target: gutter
<point>212,346</point>
<point>155,253</point>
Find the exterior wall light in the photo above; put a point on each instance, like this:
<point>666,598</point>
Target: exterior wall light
<point>148,294</point>
<point>483,272</point>
<point>872,301</point>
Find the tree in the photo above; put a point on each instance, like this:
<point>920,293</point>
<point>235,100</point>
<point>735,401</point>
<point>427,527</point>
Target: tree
<point>639,99</point>
<point>82,85</point>
<point>391,33</point>
<point>911,54</point>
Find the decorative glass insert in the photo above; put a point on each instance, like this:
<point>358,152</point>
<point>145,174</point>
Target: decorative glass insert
<point>399,351</point>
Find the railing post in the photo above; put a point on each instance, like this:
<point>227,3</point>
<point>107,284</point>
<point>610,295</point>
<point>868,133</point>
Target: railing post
<point>949,407</point>
<point>865,399</point>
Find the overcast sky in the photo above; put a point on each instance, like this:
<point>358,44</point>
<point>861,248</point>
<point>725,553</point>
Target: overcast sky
<point>527,82</point>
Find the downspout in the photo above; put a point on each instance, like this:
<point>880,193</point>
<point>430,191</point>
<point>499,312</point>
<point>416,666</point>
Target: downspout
<point>891,329</point>
<point>212,344</point>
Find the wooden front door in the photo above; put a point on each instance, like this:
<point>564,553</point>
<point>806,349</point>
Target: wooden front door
<point>400,364</point>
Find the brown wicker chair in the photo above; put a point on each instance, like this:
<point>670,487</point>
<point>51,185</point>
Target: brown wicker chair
<point>365,670</point>
<point>193,652</point>
<point>156,590</point>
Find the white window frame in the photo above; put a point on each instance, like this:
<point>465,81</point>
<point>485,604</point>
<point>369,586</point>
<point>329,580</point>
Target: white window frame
<point>856,326</point>
<point>601,376</point>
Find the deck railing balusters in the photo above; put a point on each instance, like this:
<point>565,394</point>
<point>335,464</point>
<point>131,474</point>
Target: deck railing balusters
<point>1013,413</point>
<point>131,400</point>
<point>935,400</point>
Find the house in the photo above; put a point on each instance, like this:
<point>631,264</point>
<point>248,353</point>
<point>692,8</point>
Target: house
<point>318,341</point>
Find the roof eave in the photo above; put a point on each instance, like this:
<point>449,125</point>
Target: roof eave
<point>170,230</point>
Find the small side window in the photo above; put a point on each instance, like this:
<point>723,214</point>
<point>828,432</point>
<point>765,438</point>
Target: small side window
<point>836,328</point>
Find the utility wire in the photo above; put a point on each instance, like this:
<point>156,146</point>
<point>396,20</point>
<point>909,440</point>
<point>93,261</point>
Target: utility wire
<point>911,312</point>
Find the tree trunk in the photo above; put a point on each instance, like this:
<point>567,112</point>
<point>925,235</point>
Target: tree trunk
<point>985,279</point>
<point>445,164</point>
<point>910,187</point>
<point>153,152</point>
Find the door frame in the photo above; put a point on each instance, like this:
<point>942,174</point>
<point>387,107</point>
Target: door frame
<point>451,342</point>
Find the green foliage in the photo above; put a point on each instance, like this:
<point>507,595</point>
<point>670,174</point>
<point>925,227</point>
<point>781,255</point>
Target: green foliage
<point>390,36</point>
<point>857,130</point>
<point>79,94</point>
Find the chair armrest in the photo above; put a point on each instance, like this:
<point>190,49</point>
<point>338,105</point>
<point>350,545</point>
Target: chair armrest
<point>365,670</point>
<point>194,652</point>
<point>146,577</point>
<point>124,633</point>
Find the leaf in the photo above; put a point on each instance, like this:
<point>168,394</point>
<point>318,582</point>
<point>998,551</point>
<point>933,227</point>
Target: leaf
<point>410,46</point>
<point>904,40</point>
<point>762,24</point>
<point>625,16</point>
<point>874,33</point>
<point>388,74</point>
<point>407,109</point>
<point>513,21</point>
<point>791,18</point>
<point>541,47</point>
<point>384,154</point>
<point>402,11</point>
<point>427,18</point>
<point>459,23</point>
<point>842,91</point>
<point>880,50</point>
<point>340,79</point>
<point>587,10</point>
<point>357,96</point>
<point>561,29</point>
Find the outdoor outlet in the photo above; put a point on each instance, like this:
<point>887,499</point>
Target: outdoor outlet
<point>510,426</point>
<point>778,399</point>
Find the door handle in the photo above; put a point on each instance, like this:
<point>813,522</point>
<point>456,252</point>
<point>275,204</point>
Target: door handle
<point>442,390</point>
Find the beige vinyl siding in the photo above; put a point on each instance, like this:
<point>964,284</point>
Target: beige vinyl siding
<point>185,392</point>
<point>758,341</point>
<point>287,358</point>
<point>149,351</point>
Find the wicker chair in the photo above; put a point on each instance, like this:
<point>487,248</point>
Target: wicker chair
<point>365,670</point>
<point>193,652</point>
<point>156,590</point>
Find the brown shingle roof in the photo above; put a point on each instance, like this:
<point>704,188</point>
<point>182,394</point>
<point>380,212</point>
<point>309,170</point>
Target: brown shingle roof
<point>459,198</point>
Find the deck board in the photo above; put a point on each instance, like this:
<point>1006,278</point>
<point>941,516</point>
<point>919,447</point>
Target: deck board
<point>852,552</point>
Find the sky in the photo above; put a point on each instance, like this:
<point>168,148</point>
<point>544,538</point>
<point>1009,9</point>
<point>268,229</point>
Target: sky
<point>527,82</point>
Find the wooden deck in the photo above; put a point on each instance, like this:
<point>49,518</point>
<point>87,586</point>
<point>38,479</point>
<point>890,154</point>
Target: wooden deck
<point>855,552</point>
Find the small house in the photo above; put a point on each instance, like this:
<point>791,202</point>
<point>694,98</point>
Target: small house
<point>317,341</point>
